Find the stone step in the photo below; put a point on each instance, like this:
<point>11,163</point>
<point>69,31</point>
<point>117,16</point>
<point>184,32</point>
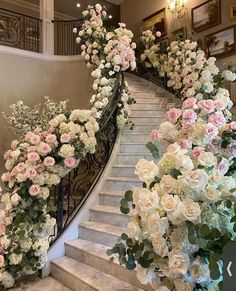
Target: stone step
<point>94,255</point>
<point>121,183</point>
<point>132,159</point>
<point>135,137</point>
<point>146,107</point>
<point>101,233</point>
<point>79,276</point>
<point>123,170</point>
<point>111,198</point>
<point>147,120</point>
<point>144,100</point>
<point>140,128</point>
<point>133,148</point>
<point>145,113</point>
<point>109,215</point>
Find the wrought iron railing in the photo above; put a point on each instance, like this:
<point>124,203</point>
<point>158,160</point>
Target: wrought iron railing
<point>20,31</point>
<point>74,189</point>
<point>64,38</point>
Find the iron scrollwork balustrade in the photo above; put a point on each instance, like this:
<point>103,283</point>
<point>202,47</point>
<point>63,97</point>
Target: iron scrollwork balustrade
<point>74,189</point>
<point>20,31</point>
<point>64,38</point>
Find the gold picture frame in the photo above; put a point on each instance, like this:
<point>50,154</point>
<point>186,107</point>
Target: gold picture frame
<point>233,11</point>
<point>156,22</point>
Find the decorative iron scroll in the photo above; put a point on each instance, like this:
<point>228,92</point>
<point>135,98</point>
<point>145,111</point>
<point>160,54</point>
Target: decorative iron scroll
<point>75,188</point>
<point>20,31</point>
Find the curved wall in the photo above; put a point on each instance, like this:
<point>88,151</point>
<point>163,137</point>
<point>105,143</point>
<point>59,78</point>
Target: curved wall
<point>29,76</point>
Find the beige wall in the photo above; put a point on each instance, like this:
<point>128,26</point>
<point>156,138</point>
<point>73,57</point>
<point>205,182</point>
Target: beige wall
<point>30,79</point>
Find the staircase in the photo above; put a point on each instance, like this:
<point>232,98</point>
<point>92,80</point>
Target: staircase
<point>85,265</point>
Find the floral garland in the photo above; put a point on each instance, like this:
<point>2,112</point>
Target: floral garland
<point>45,153</point>
<point>184,214</point>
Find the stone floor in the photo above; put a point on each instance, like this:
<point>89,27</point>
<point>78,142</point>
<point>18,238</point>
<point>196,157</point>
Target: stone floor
<point>37,284</point>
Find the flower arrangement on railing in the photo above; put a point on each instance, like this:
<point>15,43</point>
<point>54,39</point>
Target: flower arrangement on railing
<point>184,214</point>
<point>51,143</point>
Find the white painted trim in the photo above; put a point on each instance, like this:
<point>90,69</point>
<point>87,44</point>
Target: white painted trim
<point>72,232</point>
<point>43,57</point>
<point>35,8</point>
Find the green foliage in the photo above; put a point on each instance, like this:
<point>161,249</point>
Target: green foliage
<point>153,149</point>
<point>125,202</point>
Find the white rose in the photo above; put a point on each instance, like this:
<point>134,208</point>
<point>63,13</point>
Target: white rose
<point>191,211</point>
<point>200,271</point>
<point>207,159</point>
<point>160,246</point>
<point>156,224</point>
<point>15,199</point>
<point>173,150</point>
<point>211,194</point>
<point>7,280</point>
<point>179,262</point>
<point>67,151</point>
<point>133,229</point>
<point>147,200</point>
<point>15,259</point>
<point>167,184</point>
<point>146,170</point>
<point>196,180</point>
<point>168,130</point>
<point>181,285</point>
<point>145,276</point>
<point>184,163</point>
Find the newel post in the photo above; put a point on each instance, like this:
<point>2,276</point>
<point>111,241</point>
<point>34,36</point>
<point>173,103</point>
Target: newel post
<point>47,15</point>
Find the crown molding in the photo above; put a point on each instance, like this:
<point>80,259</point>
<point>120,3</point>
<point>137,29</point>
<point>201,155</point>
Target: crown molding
<point>34,7</point>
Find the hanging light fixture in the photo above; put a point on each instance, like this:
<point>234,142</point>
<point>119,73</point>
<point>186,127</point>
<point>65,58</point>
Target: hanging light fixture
<point>178,8</point>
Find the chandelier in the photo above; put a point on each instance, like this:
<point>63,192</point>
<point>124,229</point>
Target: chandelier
<point>178,8</point>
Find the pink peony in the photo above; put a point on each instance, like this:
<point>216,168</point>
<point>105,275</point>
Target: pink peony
<point>211,131</point>
<point>31,173</point>
<point>51,138</point>
<point>156,135</point>
<point>189,116</point>
<point>219,105</point>
<point>20,167</point>
<point>31,149</point>
<point>173,115</point>
<point>70,162</point>
<point>206,106</point>
<point>217,119</point>
<point>35,139</point>
<point>185,143</point>
<point>223,166</point>
<point>33,157</point>
<point>34,190</point>
<point>49,162</point>
<point>40,168</point>
<point>65,138</point>
<point>44,148</point>
<point>1,261</point>
<point>197,152</point>
<point>190,103</point>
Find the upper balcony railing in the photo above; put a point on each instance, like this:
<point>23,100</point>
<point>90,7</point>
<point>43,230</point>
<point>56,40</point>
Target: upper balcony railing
<point>20,31</point>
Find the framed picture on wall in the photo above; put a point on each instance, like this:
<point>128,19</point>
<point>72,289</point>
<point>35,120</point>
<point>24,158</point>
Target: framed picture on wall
<point>221,43</point>
<point>179,34</point>
<point>156,22</point>
<point>233,11</point>
<point>206,15</point>
<point>164,43</point>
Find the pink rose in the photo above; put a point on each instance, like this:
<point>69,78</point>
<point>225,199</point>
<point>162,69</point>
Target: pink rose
<point>37,130</point>
<point>156,135</point>
<point>49,162</point>
<point>211,131</point>
<point>34,190</point>
<point>54,122</point>
<point>219,105</point>
<point>35,139</point>
<point>44,148</point>
<point>185,143</point>
<point>217,119</point>
<point>6,177</point>
<point>116,68</point>
<point>33,157</point>
<point>51,138</point>
<point>14,171</point>
<point>31,173</point>
<point>104,14</point>
<point>2,229</point>
<point>1,261</point>
<point>31,149</point>
<point>173,115</point>
<point>189,116</point>
<point>65,138</point>
<point>233,125</point>
<point>70,162</point>
<point>223,166</point>
<point>190,103</point>
<point>51,130</point>
<point>206,106</point>
<point>197,152</point>
<point>7,154</point>
<point>20,167</point>
<point>186,128</point>
<point>40,168</point>
<point>28,136</point>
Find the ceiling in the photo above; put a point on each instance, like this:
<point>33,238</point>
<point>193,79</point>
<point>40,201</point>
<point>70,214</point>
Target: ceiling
<point>116,2</point>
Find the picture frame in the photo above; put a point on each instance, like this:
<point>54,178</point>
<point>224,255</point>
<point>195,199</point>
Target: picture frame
<point>156,22</point>
<point>206,15</point>
<point>233,11</point>
<point>221,43</point>
<point>179,34</point>
<point>164,43</point>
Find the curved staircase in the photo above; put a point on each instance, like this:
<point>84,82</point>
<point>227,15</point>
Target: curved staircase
<point>85,265</point>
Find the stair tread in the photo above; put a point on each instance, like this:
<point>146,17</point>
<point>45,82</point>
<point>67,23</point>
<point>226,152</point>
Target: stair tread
<point>130,179</point>
<point>107,209</point>
<point>123,166</point>
<point>103,227</point>
<point>134,154</point>
<point>113,193</point>
<point>92,276</point>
